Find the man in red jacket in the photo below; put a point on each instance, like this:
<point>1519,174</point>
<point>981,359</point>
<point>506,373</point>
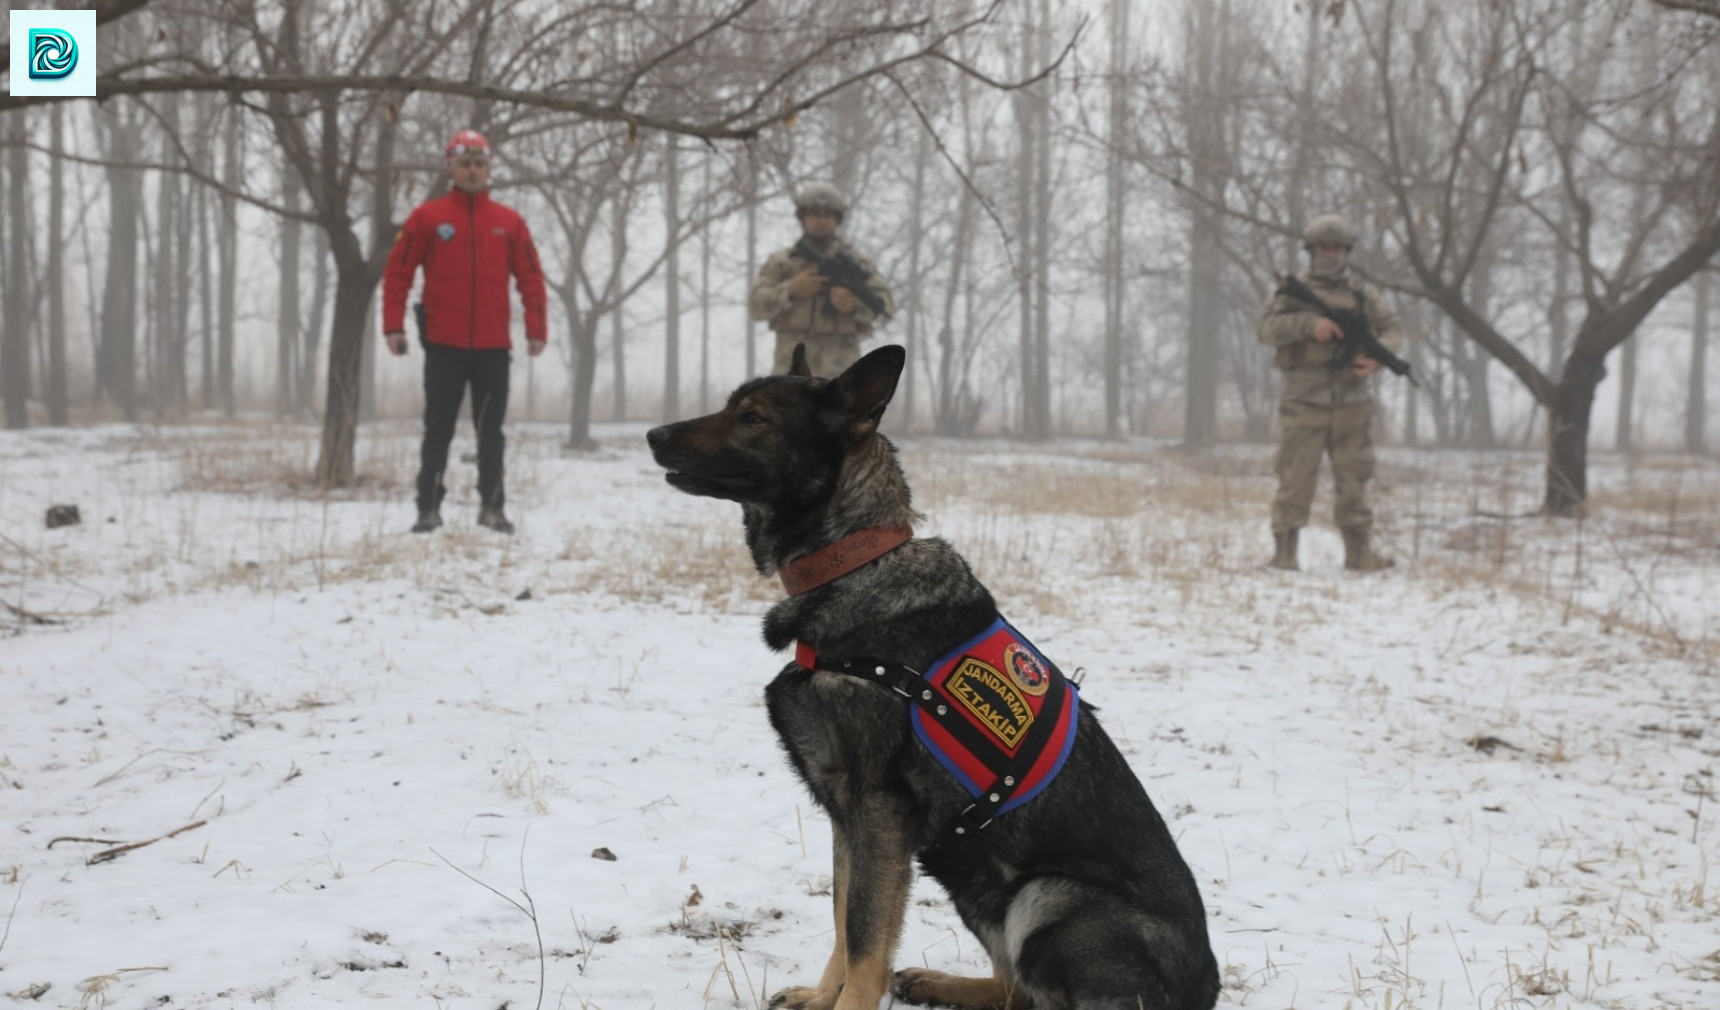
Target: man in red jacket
<point>468,244</point>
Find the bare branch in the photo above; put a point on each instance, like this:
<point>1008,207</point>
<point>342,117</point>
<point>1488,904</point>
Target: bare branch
<point>1707,8</point>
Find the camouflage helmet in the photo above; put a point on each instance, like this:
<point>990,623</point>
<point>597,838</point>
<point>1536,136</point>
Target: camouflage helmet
<point>1329,229</point>
<point>820,196</point>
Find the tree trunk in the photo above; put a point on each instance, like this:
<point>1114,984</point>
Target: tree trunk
<point>368,344</point>
<point>15,351</point>
<point>1624,437</point>
<point>1023,110</point>
<point>227,239</point>
<point>705,299</point>
<point>916,238</point>
<point>1557,317</point>
<point>617,325</point>
<point>180,335</point>
<point>1568,433</point>
<point>582,333</point>
<point>1205,114</point>
<point>672,283</point>
<point>167,267</point>
<point>287,321</point>
<point>117,367</point>
<point>950,410</point>
<point>354,285</point>
<point>310,334</point>
<point>752,262</point>
<point>205,302</point>
<point>57,394</point>
<point>1042,192</point>
<point>1696,398</point>
<point>1200,398</point>
<point>1115,208</point>
<point>1474,362</point>
<point>356,275</point>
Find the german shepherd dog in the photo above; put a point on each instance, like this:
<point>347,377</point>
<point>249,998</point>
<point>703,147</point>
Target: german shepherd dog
<point>1079,895</point>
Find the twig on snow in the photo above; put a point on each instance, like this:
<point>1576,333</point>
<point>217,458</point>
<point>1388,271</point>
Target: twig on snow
<point>529,909</point>
<point>114,853</point>
<point>4,933</point>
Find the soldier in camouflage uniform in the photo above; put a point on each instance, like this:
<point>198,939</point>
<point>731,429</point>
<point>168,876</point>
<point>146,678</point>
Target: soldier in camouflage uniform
<point>802,305</point>
<point>1326,410</point>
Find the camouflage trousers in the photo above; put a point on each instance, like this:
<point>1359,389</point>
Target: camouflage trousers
<point>827,354</point>
<point>1306,433</point>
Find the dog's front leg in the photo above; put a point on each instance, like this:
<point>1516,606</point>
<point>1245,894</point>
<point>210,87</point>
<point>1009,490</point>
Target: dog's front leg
<point>880,871</point>
<point>873,872</point>
<point>823,996</point>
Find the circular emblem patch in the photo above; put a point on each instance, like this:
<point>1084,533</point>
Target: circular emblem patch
<point>1026,670</point>
<point>445,231</point>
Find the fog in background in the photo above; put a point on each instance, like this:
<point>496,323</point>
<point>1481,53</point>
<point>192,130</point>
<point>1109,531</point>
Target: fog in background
<point>1081,208</point>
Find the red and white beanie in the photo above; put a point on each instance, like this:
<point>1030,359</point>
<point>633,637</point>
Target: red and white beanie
<point>468,142</point>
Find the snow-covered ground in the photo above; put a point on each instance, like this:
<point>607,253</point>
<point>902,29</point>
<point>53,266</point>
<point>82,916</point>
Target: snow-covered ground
<point>462,770</point>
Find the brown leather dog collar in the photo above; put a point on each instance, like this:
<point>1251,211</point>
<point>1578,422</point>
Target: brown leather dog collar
<point>852,551</point>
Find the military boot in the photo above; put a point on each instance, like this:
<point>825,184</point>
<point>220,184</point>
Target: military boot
<point>1284,550</point>
<point>1359,556</point>
<point>491,517</point>
<point>428,520</point>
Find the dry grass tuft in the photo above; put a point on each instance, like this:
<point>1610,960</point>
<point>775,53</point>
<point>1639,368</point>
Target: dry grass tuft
<point>281,461</point>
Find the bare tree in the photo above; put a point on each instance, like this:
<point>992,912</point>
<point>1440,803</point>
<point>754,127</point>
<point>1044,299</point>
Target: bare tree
<point>57,392</point>
<point>227,252</point>
<point>166,354</point>
<point>1457,181</point>
<point>116,360</point>
<point>1032,198</point>
<point>15,341</point>
<point>672,231</point>
<point>1696,395</point>
<point>1209,46</point>
<point>287,322</point>
<point>1116,210</point>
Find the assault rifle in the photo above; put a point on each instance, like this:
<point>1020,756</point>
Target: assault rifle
<point>843,270</point>
<point>1358,334</point>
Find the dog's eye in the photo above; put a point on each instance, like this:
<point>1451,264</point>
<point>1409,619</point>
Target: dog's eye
<point>754,417</point>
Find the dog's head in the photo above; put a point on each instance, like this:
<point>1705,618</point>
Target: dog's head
<point>782,438</point>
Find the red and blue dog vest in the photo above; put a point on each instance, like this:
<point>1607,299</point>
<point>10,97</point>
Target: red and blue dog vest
<point>1016,716</point>
<point>993,711</point>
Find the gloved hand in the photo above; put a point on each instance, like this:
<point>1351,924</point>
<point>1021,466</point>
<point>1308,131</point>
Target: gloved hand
<point>843,299</point>
<point>806,283</point>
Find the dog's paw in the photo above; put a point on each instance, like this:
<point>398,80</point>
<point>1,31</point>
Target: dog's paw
<point>925,987</point>
<point>918,986</point>
<point>800,997</point>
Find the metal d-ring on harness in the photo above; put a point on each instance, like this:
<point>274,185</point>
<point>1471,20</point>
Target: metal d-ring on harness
<point>913,686</point>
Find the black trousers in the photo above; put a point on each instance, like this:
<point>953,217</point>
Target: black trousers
<point>447,373</point>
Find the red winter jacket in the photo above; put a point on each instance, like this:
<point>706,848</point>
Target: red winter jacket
<point>468,244</point>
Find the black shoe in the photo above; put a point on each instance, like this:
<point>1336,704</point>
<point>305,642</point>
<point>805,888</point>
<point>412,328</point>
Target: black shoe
<point>428,520</point>
<point>492,518</point>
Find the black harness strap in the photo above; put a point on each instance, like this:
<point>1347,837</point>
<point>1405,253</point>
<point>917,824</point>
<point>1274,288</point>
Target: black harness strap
<point>981,811</point>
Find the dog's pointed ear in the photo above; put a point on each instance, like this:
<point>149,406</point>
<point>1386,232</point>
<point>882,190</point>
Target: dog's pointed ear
<point>798,365</point>
<point>864,390</point>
